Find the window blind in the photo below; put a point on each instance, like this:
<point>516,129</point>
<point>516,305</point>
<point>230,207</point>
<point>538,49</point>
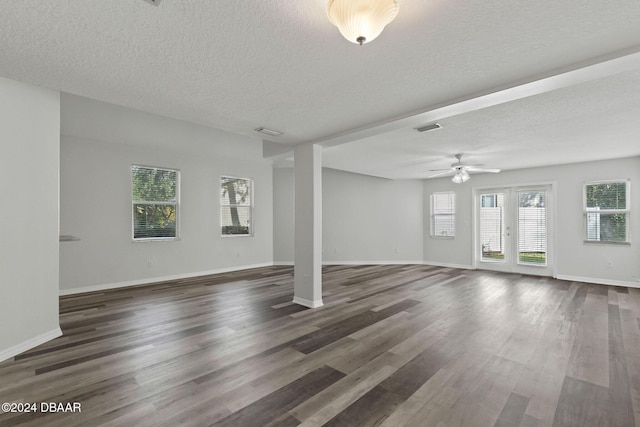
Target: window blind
<point>532,227</point>
<point>606,211</point>
<point>236,205</point>
<point>492,227</point>
<point>443,214</point>
<point>155,202</point>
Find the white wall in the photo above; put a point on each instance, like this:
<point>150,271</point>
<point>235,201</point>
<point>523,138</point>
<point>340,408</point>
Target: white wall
<point>99,144</point>
<point>283,216</point>
<point>574,258</point>
<point>29,166</point>
<point>364,219</point>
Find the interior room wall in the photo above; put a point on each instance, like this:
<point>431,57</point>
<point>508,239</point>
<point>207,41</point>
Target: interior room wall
<point>575,259</point>
<point>29,171</point>
<point>99,144</point>
<point>283,216</point>
<point>364,219</point>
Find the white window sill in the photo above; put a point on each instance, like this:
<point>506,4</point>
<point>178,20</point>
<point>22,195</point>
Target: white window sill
<point>606,242</point>
<point>531,264</point>
<point>156,239</point>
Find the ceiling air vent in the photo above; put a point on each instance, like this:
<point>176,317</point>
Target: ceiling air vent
<point>269,132</point>
<point>153,2</point>
<point>432,126</point>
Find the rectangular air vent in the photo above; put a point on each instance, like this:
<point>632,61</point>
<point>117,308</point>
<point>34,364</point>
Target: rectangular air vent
<point>269,132</point>
<point>432,126</point>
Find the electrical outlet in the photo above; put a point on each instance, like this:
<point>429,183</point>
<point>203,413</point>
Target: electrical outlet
<point>609,264</point>
<point>149,263</point>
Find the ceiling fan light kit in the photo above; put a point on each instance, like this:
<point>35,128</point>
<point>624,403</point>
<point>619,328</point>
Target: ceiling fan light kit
<point>361,21</point>
<point>461,176</point>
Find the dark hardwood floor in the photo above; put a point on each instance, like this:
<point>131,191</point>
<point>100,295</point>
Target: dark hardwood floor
<point>394,345</point>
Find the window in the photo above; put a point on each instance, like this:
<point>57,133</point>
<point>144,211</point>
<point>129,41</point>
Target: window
<point>235,206</point>
<point>155,202</point>
<point>606,211</point>
<point>443,221</point>
<point>489,200</point>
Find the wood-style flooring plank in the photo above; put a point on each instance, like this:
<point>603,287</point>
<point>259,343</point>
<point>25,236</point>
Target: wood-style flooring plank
<point>619,391</point>
<point>270,407</point>
<point>369,410</point>
<point>590,355</point>
<point>513,411</point>
<point>583,404</point>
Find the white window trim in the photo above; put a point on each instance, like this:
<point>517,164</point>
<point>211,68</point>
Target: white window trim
<point>177,205</point>
<point>433,215</point>
<point>626,211</point>
<point>251,206</point>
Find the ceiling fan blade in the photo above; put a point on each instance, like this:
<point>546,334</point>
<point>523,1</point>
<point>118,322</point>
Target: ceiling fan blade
<point>444,172</point>
<point>478,169</point>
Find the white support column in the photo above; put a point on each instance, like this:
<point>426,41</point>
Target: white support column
<point>308,226</point>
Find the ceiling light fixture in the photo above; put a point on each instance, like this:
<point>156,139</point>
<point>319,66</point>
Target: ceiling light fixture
<point>361,21</point>
<point>460,176</point>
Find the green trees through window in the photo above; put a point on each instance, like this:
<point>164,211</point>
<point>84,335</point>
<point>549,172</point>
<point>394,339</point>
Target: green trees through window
<point>235,205</point>
<point>155,202</point>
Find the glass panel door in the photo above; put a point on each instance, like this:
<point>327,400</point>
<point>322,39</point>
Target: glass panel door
<point>513,230</point>
<point>492,227</point>
<point>532,227</point>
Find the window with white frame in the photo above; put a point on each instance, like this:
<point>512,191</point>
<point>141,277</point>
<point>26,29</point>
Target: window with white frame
<point>443,214</point>
<point>236,205</point>
<point>606,211</point>
<point>155,198</point>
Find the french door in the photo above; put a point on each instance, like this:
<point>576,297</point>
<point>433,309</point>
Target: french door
<point>513,230</point>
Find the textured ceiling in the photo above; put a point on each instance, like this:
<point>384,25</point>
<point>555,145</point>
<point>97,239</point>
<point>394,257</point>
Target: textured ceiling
<point>237,65</point>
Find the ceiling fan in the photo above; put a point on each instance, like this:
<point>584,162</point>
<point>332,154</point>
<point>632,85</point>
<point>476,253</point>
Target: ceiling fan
<point>461,170</point>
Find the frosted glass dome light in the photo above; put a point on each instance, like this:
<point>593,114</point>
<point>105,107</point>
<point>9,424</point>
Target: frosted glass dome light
<point>361,21</point>
<point>460,176</point>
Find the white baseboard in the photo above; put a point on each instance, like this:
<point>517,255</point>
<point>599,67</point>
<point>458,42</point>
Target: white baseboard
<point>107,286</point>
<point>370,262</point>
<point>289,263</point>
<point>308,303</point>
<point>29,344</point>
<point>447,265</point>
<point>627,284</point>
